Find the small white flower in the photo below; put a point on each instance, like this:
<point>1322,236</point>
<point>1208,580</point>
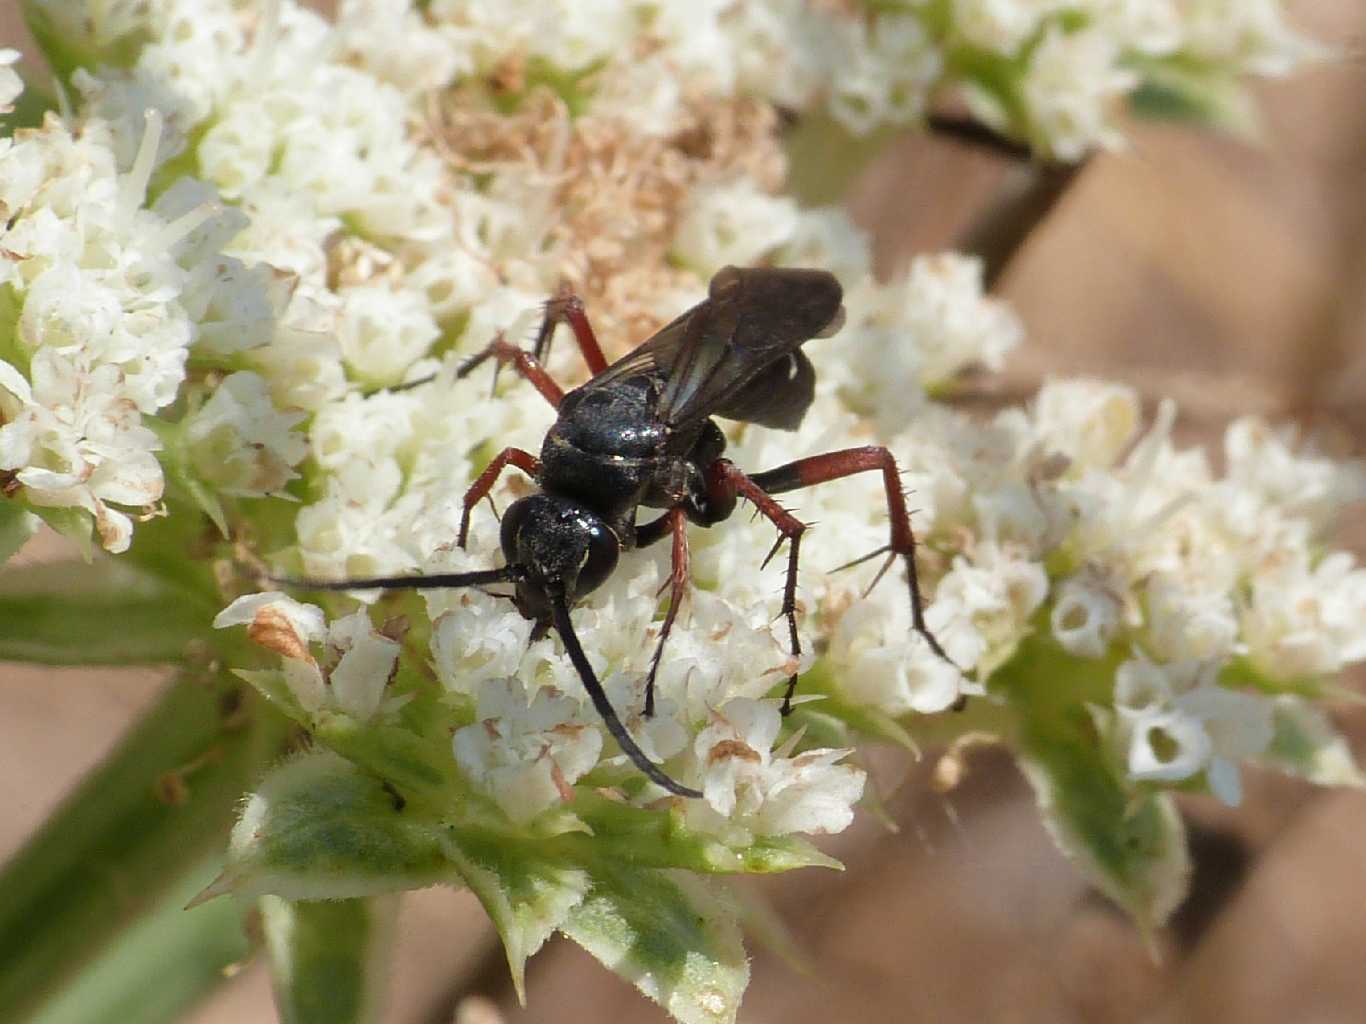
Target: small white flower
<point>1189,623</point>
<point>358,680</point>
<point>733,224</point>
<point>1072,88</point>
<point>985,603</point>
<point>661,736</point>
<point>241,443</point>
<point>1176,720</point>
<point>1306,623</point>
<point>1151,27</point>
<point>383,331</point>
<point>1090,422</point>
<point>354,685</point>
<point>1086,614</point>
<point>526,752</point>
<point>1263,461</point>
<point>879,74</point>
<point>11,85</point>
<point>395,42</point>
<point>919,333</point>
<point>745,781</point>
<point>880,662</point>
<point>1001,25</point>
<point>305,621</point>
<point>1249,35</point>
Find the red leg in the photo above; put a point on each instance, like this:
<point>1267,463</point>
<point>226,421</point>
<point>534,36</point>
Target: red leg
<point>567,307</point>
<point>819,469</point>
<point>724,482</point>
<point>479,490</point>
<point>524,362</point>
<point>675,523</point>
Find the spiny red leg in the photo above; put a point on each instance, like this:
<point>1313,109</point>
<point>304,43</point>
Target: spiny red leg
<point>479,490</point>
<point>567,307</point>
<point>819,469</point>
<point>524,362</point>
<point>724,482</point>
<point>673,523</point>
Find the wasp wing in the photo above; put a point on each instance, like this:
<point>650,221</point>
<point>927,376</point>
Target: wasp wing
<point>737,354</point>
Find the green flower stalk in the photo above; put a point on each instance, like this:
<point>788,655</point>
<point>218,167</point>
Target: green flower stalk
<point>234,291</point>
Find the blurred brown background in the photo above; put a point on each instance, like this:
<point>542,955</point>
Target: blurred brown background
<point>1230,277</point>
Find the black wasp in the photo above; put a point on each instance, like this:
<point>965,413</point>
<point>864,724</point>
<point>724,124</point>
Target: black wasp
<point>640,433</point>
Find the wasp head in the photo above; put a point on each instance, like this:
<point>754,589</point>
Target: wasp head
<point>558,548</point>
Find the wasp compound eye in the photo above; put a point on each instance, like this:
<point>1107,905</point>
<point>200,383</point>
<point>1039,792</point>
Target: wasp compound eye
<point>562,546</point>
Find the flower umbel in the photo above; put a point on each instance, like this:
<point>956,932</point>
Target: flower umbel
<point>240,280</point>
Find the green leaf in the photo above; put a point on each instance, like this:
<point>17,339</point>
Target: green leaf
<point>17,525</point>
<point>329,961</point>
<point>129,835</point>
<point>160,966</point>
<point>670,935</point>
<point>1129,841</point>
<point>319,828</point>
<point>1307,744</point>
<point>526,896</point>
<point>100,613</point>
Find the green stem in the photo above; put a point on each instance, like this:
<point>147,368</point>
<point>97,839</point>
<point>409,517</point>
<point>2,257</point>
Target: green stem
<point>161,966</point>
<point>329,960</point>
<point>166,797</point>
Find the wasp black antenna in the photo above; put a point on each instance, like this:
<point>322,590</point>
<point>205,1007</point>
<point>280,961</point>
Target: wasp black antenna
<point>433,581</point>
<point>565,627</point>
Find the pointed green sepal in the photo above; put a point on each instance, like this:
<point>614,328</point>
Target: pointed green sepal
<point>17,525</point>
<point>526,896</point>
<point>1307,744</point>
<point>670,934</point>
<point>1128,840</point>
<point>319,828</point>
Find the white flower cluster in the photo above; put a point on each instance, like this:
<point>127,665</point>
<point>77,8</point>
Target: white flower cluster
<point>405,226</point>
<point>1083,56</point>
<point>103,295</point>
<point>359,660</point>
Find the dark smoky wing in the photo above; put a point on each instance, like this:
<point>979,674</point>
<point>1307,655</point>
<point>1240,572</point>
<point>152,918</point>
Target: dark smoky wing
<point>737,353</point>
<point>654,356</point>
<point>740,356</point>
<point>777,396</point>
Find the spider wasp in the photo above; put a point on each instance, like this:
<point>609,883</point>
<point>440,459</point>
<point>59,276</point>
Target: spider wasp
<point>640,433</point>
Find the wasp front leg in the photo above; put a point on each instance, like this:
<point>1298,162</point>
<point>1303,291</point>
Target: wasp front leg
<point>483,484</point>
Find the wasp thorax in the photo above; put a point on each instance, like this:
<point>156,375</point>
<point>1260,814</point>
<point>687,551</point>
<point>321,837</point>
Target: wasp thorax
<point>561,548</point>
